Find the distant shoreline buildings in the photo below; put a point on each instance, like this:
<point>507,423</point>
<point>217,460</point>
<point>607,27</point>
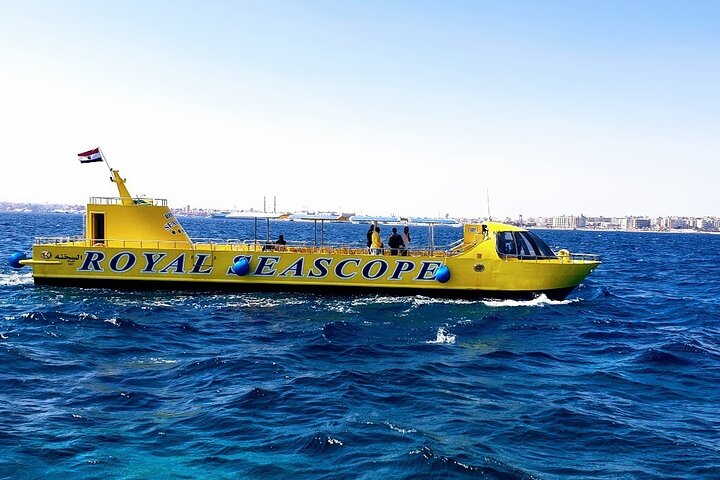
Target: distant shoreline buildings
<point>562,222</point>
<point>628,223</point>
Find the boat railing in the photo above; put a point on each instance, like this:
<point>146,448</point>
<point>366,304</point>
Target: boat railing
<point>219,244</point>
<point>158,202</point>
<point>59,240</point>
<point>458,247</point>
<point>563,256</point>
<point>354,249</point>
<point>81,241</point>
<point>584,257</point>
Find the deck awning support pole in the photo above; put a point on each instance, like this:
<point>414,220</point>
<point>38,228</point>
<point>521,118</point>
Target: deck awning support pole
<point>432,239</point>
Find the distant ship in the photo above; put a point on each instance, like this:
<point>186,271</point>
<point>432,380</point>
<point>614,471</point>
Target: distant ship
<point>220,214</point>
<point>139,243</point>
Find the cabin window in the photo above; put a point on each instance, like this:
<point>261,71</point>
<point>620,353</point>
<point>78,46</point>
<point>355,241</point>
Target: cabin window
<point>525,248</point>
<point>524,245</point>
<point>506,244</point>
<point>540,246</point>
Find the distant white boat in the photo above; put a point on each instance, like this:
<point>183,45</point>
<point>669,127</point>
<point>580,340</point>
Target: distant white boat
<point>252,215</point>
<point>65,210</point>
<point>450,222</point>
<point>393,220</point>
<point>374,218</point>
<point>315,217</point>
<point>219,214</point>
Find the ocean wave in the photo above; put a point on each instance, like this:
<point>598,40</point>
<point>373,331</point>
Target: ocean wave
<point>339,331</point>
<point>442,336</point>
<point>693,346</point>
<point>319,444</point>
<point>422,300</point>
<point>428,462</point>
<point>377,300</point>
<point>540,301</point>
<point>395,428</point>
<point>338,307</point>
<point>654,356</point>
<point>152,362</point>
<point>13,279</point>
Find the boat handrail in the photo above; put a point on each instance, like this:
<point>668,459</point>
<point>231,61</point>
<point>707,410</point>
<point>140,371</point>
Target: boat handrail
<point>459,246</point>
<point>584,257</point>
<point>158,202</point>
<point>219,244</point>
<point>56,240</point>
<point>82,241</point>
<point>566,258</point>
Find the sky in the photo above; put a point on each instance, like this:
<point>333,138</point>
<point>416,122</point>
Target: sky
<point>375,107</point>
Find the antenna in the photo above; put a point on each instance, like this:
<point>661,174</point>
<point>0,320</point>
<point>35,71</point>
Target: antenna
<point>487,193</point>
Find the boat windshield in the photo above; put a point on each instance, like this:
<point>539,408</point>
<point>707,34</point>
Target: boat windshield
<point>524,245</point>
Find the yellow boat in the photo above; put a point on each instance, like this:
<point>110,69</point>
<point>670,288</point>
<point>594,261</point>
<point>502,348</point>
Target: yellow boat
<point>138,243</point>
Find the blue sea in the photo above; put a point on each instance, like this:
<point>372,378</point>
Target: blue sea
<point>621,380</point>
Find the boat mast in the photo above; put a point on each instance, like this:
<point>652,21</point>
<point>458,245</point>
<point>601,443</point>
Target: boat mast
<point>487,193</point>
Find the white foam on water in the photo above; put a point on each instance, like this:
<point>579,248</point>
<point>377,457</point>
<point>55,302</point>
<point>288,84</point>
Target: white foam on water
<point>398,429</point>
<point>252,302</point>
<point>10,279</point>
<point>540,301</point>
<point>151,304</point>
<point>152,362</point>
<point>261,303</point>
<point>340,308</point>
<point>375,300</point>
<point>443,336</point>
<point>157,361</point>
<point>420,300</point>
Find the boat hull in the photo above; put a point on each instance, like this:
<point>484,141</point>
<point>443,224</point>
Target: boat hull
<point>150,285</point>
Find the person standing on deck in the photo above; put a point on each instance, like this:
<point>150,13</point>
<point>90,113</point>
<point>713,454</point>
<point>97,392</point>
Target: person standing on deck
<point>370,232</point>
<point>406,241</point>
<point>377,245</point>
<point>395,242</point>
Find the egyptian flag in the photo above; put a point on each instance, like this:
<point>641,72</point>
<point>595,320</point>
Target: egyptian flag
<point>90,156</point>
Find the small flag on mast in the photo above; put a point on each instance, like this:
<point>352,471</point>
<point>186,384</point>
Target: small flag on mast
<point>94,155</point>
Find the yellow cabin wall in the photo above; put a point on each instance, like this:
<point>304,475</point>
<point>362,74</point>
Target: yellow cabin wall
<point>145,222</point>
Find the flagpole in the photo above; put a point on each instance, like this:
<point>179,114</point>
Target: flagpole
<point>102,155</point>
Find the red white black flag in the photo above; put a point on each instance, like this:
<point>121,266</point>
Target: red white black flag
<point>94,155</point>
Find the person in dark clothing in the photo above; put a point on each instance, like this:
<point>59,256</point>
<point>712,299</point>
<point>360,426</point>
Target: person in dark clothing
<point>369,235</point>
<point>395,242</point>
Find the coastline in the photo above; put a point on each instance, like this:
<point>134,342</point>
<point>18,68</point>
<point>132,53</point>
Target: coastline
<point>619,230</point>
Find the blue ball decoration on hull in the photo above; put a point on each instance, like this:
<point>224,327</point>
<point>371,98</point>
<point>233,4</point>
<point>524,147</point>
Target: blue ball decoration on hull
<point>241,267</point>
<point>442,274</point>
<point>15,259</point>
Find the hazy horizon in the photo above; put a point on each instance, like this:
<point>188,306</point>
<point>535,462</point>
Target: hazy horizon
<point>373,107</point>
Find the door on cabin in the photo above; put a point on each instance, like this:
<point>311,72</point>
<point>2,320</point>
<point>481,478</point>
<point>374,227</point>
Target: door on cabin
<point>97,227</point>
